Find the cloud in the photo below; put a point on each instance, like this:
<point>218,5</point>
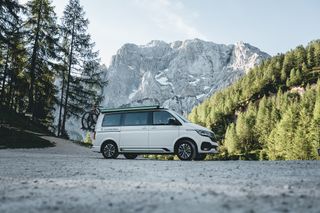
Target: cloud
<point>172,16</point>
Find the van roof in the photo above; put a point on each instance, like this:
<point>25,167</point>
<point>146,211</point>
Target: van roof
<point>123,109</point>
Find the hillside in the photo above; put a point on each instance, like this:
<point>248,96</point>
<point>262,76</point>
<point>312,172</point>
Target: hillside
<point>271,113</point>
<point>18,131</point>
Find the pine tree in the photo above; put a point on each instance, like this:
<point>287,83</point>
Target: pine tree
<point>295,78</point>
<point>264,124</point>
<point>310,55</point>
<point>9,15</point>
<point>43,36</point>
<point>300,56</point>
<point>316,45</point>
<point>62,76</point>
<point>231,141</point>
<point>288,64</point>
<point>84,78</point>
<point>301,145</point>
<point>9,30</point>
<point>17,81</point>
<point>315,125</point>
<point>283,75</point>
<point>282,137</point>
<point>245,131</point>
<point>193,116</point>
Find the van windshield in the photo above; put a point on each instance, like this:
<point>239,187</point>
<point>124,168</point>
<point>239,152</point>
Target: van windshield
<point>182,118</point>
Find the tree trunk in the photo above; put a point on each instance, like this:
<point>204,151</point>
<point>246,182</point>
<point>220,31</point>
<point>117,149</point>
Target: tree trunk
<point>11,96</point>
<point>63,130</point>
<point>33,63</point>
<point>10,83</point>
<point>5,72</point>
<point>61,100</point>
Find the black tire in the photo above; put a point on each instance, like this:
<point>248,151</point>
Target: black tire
<point>109,150</point>
<point>84,119</point>
<point>89,120</point>
<point>200,156</point>
<point>186,151</point>
<point>130,156</point>
<point>92,121</point>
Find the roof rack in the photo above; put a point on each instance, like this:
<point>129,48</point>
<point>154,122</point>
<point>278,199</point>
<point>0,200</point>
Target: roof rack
<point>106,110</point>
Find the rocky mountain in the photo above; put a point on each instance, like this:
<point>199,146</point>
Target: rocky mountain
<point>177,75</point>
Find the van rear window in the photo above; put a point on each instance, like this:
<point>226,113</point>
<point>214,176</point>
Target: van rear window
<point>111,120</point>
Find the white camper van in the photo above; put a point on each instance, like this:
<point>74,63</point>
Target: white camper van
<point>150,130</point>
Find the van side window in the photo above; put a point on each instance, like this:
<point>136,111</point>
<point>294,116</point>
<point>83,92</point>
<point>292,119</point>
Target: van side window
<point>135,119</point>
<point>111,120</point>
<point>161,118</point>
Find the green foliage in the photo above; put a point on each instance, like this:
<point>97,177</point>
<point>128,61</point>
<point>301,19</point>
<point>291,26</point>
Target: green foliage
<point>274,110</point>
<point>36,52</point>
<point>295,78</point>
<point>245,131</point>
<point>42,33</point>
<point>161,157</point>
<point>12,56</point>
<point>88,138</point>
<point>83,79</point>
<point>282,136</point>
<point>315,125</point>
<point>231,141</point>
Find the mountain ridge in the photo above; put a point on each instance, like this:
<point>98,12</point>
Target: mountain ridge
<point>178,75</point>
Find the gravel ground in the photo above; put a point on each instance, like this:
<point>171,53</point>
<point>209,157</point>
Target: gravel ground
<point>70,178</point>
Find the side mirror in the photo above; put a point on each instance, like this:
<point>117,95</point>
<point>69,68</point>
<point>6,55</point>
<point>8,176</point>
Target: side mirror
<point>174,122</point>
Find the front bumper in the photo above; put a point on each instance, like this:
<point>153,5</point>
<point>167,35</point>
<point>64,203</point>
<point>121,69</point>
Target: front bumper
<point>95,148</point>
<point>209,147</point>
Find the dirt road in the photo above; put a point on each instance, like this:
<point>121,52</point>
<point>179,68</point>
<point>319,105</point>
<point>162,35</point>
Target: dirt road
<point>70,178</point>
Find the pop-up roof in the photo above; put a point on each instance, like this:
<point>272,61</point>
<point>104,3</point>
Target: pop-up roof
<point>106,110</point>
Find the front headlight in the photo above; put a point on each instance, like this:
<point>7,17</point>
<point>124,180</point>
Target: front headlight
<point>205,133</point>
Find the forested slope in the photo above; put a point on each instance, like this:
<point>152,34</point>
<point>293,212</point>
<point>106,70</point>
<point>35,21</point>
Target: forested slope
<point>47,65</point>
<point>271,113</point>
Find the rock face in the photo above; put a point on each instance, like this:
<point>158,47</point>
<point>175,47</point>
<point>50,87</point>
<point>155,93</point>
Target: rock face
<point>176,75</point>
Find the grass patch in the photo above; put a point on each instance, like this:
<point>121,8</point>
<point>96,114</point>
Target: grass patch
<point>13,138</point>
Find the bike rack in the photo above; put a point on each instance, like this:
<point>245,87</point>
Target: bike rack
<point>89,120</point>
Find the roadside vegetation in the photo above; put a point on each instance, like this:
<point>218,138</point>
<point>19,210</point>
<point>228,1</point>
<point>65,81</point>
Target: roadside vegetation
<point>161,157</point>
<point>87,142</point>
<point>272,113</point>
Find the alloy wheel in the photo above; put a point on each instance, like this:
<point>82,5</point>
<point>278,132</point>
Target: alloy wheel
<point>109,150</point>
<point>185,151</point>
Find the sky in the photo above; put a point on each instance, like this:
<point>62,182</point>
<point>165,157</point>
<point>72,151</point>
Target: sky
<point>274,26</point>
